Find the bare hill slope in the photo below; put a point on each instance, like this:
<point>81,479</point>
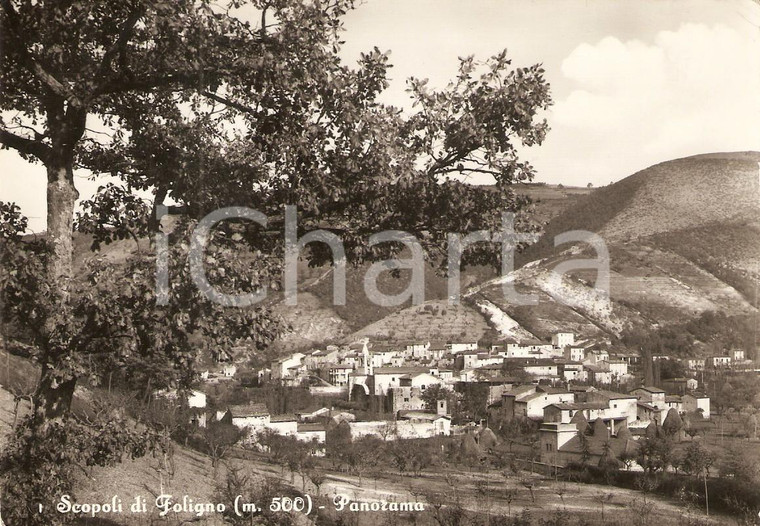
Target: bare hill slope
<point>683,238</point>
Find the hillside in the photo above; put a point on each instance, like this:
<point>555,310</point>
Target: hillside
<point>434,320</point>
<point>548,202</point>
<point>667,197</point>
<point>315,319</point>
<point>683,238</point>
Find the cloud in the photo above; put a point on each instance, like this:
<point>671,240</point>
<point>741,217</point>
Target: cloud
<point>634,103</point>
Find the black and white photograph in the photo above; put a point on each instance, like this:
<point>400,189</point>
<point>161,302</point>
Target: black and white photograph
<point>379,262</point>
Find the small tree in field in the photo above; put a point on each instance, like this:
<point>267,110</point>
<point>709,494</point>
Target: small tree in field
<point>214,105</point>
<point>219,438</point>
<point>655,454</point>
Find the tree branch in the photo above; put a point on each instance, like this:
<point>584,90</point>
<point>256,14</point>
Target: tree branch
<point>34,67</point>
<point>227,102</point>
<point>120,43</point>
<point>24,146</point>
<point>125,83</point>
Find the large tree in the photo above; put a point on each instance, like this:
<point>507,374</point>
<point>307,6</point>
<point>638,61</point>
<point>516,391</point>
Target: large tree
<point>246,104</point>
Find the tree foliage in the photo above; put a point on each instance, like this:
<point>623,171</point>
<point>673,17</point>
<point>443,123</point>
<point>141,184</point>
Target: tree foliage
<point>697,460</point>
<point>209,105</point>
<point>655,453</point>
<point>433,394</point>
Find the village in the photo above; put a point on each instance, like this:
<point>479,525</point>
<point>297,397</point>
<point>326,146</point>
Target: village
<point>564,389</point>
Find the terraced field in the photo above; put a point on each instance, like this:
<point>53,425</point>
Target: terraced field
<point>433,320</point>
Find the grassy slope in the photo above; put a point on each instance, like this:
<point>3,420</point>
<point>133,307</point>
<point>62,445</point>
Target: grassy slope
<point>666,197</point>
<point>683,238</point>
<point>729,252</point>
<point>359,312</point>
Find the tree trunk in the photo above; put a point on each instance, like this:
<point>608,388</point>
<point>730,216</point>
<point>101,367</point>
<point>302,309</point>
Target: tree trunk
<point>61,197</point>
<point>54,391</point>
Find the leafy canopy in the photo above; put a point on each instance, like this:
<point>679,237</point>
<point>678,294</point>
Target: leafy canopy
<point>211,105</point>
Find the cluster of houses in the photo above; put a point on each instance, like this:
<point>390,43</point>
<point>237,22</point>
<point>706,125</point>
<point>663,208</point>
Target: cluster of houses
<point>733,359</point>
<point>374,369</point>
<point>312,426</point>
<point>601,423</point>
<point>639,407</point>
<point>559,385</point>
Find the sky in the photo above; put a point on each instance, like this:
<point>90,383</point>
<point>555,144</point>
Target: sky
<point>634,82</point>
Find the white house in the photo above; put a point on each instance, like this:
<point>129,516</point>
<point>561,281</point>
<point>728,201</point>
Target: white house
<point>573,371</point>
<point>421,380</point>
<point>532,406</point>
<point>612,411</point>
<point>255,417</point>
<point>319,358</point>
<point>416,349</point>
<point>287,367</point>
<point>719,361</point>
<point>595,356</point>
<point>283,424</point>
<point>563,339</point>
<point>544,368</point>
<point>619,405</point>
<point>598,374</point>
<point>515,350</point>
<point>387,377</point>
<point>649,394</point>
<point>674,402</point>
<point>575,354</point>
<point>695,364</point>
<point>455,348</point>
<point>311,432</point>
<point>338,374</point>
<point>618,368</point>
<point>696,402</point>
<point>446,375</point>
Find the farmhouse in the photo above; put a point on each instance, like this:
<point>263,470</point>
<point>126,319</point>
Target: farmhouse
<point>575,354</point>
<point>386,377</point>
<point>255,417</point>
<point>561,444</point>
<point>532,406</point>
<point>598,374</point>
<point>699,403</point>
<point>717,362</point>
<point>283,424</point>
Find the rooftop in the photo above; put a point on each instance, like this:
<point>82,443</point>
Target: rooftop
<point>248,410</point>
<point>612,395</point>
<point>311,427</point>
<point>649,389</point>
<point>289,417</point>
<point>579,406</point>
<point>400,370</point>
